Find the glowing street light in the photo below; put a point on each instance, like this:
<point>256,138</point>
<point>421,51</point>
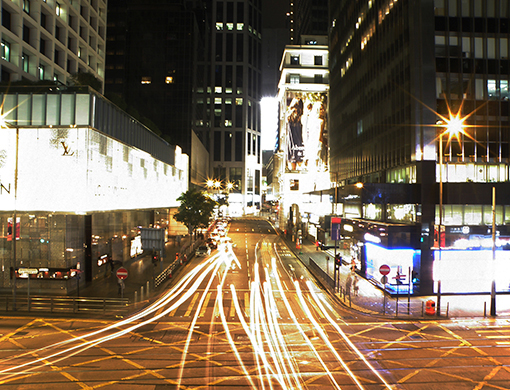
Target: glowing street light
<point>453,127</point>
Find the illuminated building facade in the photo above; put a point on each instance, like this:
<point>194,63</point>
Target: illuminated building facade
<point>50,40</point>
<point>300,164</point>
<point>233,101</point>
<point>398,68</point>
<point>78,178</point>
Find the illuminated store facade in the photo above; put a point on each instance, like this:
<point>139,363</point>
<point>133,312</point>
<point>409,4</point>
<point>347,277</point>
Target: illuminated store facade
<point>79,177</point>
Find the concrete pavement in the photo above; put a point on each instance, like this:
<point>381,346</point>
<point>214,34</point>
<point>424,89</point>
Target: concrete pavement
<point>360,294</point>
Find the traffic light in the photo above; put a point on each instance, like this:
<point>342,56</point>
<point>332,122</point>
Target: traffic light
<point>338,260</point>
<point>155,258</point>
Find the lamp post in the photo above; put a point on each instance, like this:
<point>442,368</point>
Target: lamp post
<point>453,127</point>
<point>493,284</point>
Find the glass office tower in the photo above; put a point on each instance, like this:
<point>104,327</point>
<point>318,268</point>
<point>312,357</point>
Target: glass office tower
<point>398,69</point>
<point>233,102</point>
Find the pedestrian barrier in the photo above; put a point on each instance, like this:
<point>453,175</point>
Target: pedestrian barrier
<point>61,304</point>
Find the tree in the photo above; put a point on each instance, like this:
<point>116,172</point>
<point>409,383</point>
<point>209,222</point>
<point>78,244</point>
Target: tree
<point>196,209</point>
<point>86,78</point>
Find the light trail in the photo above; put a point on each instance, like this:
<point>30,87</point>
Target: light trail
<point>344,336</point>
<point>268,302</point>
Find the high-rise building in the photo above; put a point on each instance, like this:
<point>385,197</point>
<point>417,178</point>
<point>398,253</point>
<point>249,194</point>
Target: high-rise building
<point>157,60</point>
<point>51,40</point>
<point>400,72</point>
<point>300,163</point>
<point>308,17</point>
<point>233,101</point>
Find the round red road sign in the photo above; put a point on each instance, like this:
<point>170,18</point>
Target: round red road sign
<point>384,269</point>
<point>122,273</point>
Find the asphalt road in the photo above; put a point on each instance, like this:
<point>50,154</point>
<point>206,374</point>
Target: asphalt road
<point>251,316</point>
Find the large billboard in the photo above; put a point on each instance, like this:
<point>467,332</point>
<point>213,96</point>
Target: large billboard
<point>305,132</point>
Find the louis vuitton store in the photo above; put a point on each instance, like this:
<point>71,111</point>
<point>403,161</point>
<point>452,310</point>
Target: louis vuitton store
<point>78,178</point>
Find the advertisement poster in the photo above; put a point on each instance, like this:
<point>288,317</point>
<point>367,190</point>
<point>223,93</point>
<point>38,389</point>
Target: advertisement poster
<point>306,131</point>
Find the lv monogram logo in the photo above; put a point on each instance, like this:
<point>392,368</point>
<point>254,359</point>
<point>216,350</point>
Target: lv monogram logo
<point>66,149</point>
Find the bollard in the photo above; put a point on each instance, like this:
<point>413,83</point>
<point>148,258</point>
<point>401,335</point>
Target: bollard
<point>147,289</point>
<point>447,308</point>
<point>141,294</point>
<point>422,308</point>
<point>136,298</point>
<point>485,309</point>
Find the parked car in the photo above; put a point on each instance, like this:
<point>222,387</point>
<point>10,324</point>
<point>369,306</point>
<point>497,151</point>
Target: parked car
<point>203,250</point>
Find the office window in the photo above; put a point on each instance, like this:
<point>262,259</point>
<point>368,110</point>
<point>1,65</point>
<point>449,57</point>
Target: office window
<point>318,79</point>
<point>228,146</point>
<point>26,34</point>
<point>294,79</point>
<point>6,50</point>
<point>294,60</point>
<point>318,60</point>
<point>6,19</point>
<point>40,70</point>
<point>24,62</point>
<point>238,146</point>
<point>236,178</point>
<point>169,80</point>
<point>26,6</point>
<point>217,146</point>
<point>58,9</point>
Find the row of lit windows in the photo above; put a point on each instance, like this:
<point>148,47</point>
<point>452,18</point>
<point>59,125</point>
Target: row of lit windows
<point>473,47</point>
<point>451,8</point>
<point>453,215</point>
<point>229,26</point>
<point>455,173</point>
<point>148,80</point>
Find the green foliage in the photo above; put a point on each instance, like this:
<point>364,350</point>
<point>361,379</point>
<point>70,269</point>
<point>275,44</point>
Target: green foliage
<point>86,78</point>
<point>196,209</point>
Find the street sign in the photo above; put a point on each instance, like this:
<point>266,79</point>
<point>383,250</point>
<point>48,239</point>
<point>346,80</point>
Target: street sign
<point>122,273</point>
<point>335,228</point>
<point>31,271</point>
<point>153,239</point>
<point>384,269</point>
<point>384,279</point>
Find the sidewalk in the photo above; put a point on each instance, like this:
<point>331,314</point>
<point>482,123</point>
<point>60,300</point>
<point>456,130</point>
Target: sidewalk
<point>139,284</point>
<point>371,299</point>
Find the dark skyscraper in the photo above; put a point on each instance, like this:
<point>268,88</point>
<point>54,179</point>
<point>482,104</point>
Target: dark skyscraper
<point>152,54</point>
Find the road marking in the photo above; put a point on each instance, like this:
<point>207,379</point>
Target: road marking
<point>232,308</point>
<point>247,304</point>
<point>190,307</point>
<point>206,302</point>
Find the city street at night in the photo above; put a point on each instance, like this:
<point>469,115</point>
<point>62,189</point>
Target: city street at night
<point>251,316</point>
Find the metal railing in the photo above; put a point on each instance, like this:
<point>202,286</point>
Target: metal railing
<point>63,305</point>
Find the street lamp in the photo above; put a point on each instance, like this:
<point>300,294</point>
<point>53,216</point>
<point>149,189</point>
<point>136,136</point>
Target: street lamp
<point>453,127</point>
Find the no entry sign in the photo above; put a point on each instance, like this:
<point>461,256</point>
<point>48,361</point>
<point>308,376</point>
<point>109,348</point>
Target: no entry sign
<point>384,269</point>
<point>122,273</point>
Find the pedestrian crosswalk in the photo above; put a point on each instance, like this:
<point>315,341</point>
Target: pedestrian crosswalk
<point>207,307</point>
